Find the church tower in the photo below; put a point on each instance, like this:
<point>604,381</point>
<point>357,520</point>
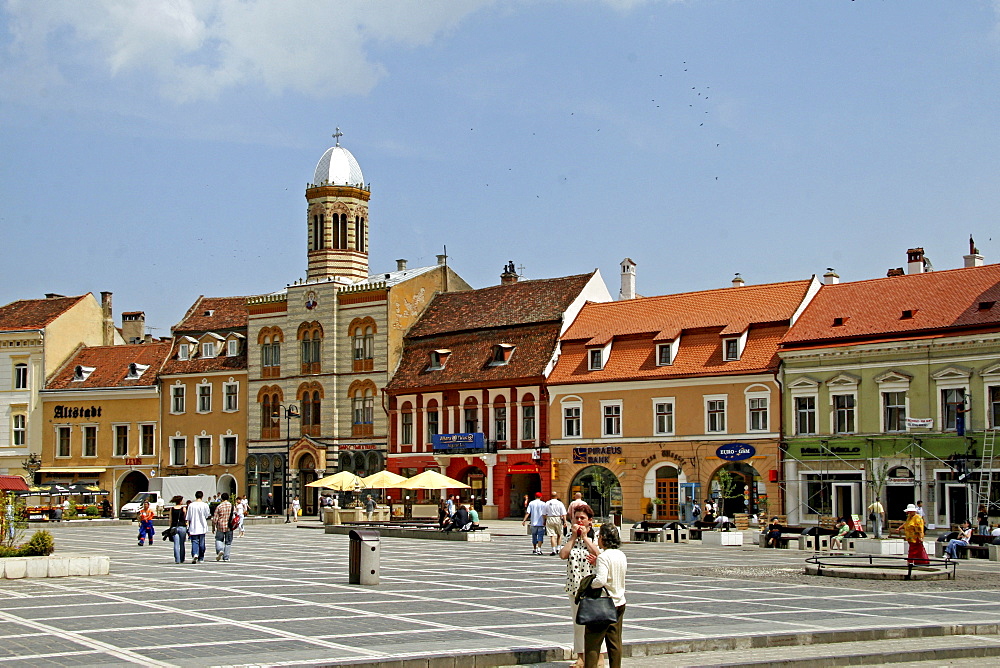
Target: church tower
<point>337,217</point>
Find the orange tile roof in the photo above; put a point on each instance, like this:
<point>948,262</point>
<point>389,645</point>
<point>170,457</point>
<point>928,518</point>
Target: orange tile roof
<point>873,309</point>
<point>227,313</point>
<point>34,313</point>
<point>732,309</point>
<point>110,364</point>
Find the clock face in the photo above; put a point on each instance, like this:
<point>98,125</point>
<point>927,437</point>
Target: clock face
<point>311,300</point>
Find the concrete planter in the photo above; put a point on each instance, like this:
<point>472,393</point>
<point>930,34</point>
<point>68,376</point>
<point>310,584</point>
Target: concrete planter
<point>722,538</point>
<point>874,546</point>
<point>15,568</point>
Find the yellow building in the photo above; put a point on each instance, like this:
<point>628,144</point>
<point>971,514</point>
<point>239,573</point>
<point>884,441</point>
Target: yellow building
<point>101,411</point>
<point>203,411</point>
<point>660,402</point>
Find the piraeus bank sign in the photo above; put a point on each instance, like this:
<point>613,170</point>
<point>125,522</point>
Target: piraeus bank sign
<point>600,455</point>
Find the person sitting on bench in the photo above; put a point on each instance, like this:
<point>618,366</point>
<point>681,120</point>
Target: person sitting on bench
<point>773,534</point>
<point>964,536</point>
<point>837,541</point>
<point>473,519</point>
<point>460,520</point>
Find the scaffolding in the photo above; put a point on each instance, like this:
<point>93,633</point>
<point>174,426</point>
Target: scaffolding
<point>986,470</point>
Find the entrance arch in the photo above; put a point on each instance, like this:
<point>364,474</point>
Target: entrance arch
<point>600,489</point>
<point>130,485</point>
<point>226,483</point>
<point>307,473</point>
<point>744,488</point>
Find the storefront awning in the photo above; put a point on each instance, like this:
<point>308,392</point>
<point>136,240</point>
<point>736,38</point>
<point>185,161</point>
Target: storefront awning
<point>72,469</point>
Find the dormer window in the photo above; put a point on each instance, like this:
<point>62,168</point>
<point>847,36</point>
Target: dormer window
<point>501,354</point>
<point>81,373</point>
<point>208,349</point>
<point>730,349</point>
<point>664,354</point>
<point>438,359</point>
<point>184,351</point>
<point>136,370</point>
<point>596,357</point>
<point>232,348</point>
<point>986,306</point>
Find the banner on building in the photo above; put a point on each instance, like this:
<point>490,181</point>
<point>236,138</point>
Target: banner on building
<point>922,423</point>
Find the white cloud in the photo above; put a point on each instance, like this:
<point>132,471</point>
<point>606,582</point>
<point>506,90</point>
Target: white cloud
<point>196,49</point>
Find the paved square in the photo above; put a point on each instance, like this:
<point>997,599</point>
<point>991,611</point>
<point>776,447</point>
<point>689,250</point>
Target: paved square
<point>284,599</point>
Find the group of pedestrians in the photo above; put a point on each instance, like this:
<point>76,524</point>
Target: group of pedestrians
<point>549,519</point>
<point>193,519</point>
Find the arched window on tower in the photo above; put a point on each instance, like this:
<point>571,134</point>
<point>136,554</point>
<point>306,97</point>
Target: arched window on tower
<point>359,234</point>
<point>343,231</point>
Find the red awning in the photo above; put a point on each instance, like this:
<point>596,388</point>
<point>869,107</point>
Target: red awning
<point>12,483</point>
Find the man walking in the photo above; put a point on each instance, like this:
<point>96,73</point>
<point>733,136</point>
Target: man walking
<point>577,501</point>
<point>536,514</point>
<point>197,520</point>
<point>222,523</point>
<point>876,515</point>
<point>369,507</point>
<point>555,520</point>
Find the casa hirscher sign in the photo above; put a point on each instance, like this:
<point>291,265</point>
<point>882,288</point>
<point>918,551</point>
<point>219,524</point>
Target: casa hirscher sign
<point>735,452</point>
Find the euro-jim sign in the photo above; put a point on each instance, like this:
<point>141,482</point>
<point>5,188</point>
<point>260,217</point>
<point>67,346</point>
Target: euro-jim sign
<point>735,452</point>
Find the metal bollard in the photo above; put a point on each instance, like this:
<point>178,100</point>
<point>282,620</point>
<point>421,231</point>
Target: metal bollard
<point>363,565</point>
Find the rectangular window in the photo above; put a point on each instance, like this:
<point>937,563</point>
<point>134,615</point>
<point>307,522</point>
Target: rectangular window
<point>571,422</point>
<point>121,440</point>
<point>663,357</point>
<point>90,441</point>
<point>146,441</point>
<point>664,412</point>
<point>406,429</point>
<point>20,376</point>
<point>994,407</point>
<point>183,351</point>
<point>894,407</point>
<point>359,347</point>
<point>232,348</point>
<point>228,449</point>
<point>433,426</point>
<point>596,359</point>
<point>177,399</point>
<point>731,349</point>
<point>177,454</point>
<point>232,394</point>
<point>18,429</point>
<point>204,450</point>
<point>208,349</point>
<point>62,441</point>
<point>471,420</point>
<point>805,415</point>
<point>952,409</point>
<point>500,423</point>
<point>612,420</point>
<point>716,415</point>
<point>758,414</point>
<point>204,398</point>
<point>843,413</point>
<point>528,423</point>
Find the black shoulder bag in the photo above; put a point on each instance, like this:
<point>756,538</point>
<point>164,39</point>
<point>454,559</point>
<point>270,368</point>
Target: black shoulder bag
<point>595,608</point>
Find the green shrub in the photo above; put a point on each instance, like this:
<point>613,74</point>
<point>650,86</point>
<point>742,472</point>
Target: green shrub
<point>40,544</point>
<point>69,513</point>
<point>91,511</point>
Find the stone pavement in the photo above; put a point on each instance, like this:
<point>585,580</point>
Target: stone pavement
<point>284,600</point>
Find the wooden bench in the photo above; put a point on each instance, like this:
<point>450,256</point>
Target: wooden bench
<point>969,551</point>
<point>647,535</point>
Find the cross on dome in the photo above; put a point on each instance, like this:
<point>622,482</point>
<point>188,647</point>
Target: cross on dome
<point>337,135</point>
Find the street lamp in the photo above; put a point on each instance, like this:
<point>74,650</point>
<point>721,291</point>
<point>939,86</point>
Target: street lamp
<point>290,411</point>
<point>31,464</point>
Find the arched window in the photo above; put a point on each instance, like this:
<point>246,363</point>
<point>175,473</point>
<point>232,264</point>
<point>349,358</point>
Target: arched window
<point>359,234</point>
<point>362,332</point>
<point>310,395</point>
<point>343,231</point>
<point>433,416</point>
<point>362,394</point>
<point>269,339</point>
<point>270,399</point>
<point>310,337</point>
<point>470,416</point>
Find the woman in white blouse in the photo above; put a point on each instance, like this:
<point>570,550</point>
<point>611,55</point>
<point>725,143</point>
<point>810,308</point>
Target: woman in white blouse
<point>609,572</point>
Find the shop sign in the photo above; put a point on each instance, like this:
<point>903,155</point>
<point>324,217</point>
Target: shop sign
<point>735,452</point>
<point>835,450</point>
<point>922,423</point>
<point>133,461</point>
<point>596,455</point>
<point>65,412</point>
<point>458,441</point>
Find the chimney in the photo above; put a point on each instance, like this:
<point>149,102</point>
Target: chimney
<point>738,281</point>
<point>898,271</point>
<point>509,275</point>
<point>831,277</point>
<point>973,259</point>
<point>915,261</point>
<point>628,280</point>
<point>400,265</point>
<point>442,260</point>
<point>133,326</point>
<point>108,331</point>
<point>53,295</point>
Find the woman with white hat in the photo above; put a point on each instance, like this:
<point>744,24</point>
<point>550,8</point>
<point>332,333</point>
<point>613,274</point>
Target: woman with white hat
<point>913,531</point>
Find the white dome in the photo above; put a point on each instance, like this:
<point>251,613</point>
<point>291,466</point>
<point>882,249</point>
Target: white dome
<point>338,167</point>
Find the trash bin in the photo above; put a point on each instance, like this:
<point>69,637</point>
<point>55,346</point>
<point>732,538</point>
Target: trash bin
<point>364,558</point>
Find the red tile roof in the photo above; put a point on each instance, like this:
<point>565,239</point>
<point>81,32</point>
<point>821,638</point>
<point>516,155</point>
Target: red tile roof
<point>937,301</point>
<point>34,313</point>
<point>471,354</point>
<point>227,313</point>
<point>206,364</point>
<point>701,319</point>
<point>111,366</point>
<point>12,483</point>
<point>731,309</point>
<point>518,303</point>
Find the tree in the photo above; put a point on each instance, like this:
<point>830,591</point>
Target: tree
<point>12,519</point>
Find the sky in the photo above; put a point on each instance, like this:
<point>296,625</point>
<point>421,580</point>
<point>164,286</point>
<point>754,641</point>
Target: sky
<point>161,149</point>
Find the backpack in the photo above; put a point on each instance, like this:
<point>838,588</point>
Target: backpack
<point>696,511</point>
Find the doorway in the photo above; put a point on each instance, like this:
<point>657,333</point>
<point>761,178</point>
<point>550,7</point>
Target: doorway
<point>600,489</point>
<point>897,497</point>
<point>130,485</point>
<point>845,499</point>
<point>307,474</point>
<point>667,502</point>
<point>521,485</point>
<point>957,499</point>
